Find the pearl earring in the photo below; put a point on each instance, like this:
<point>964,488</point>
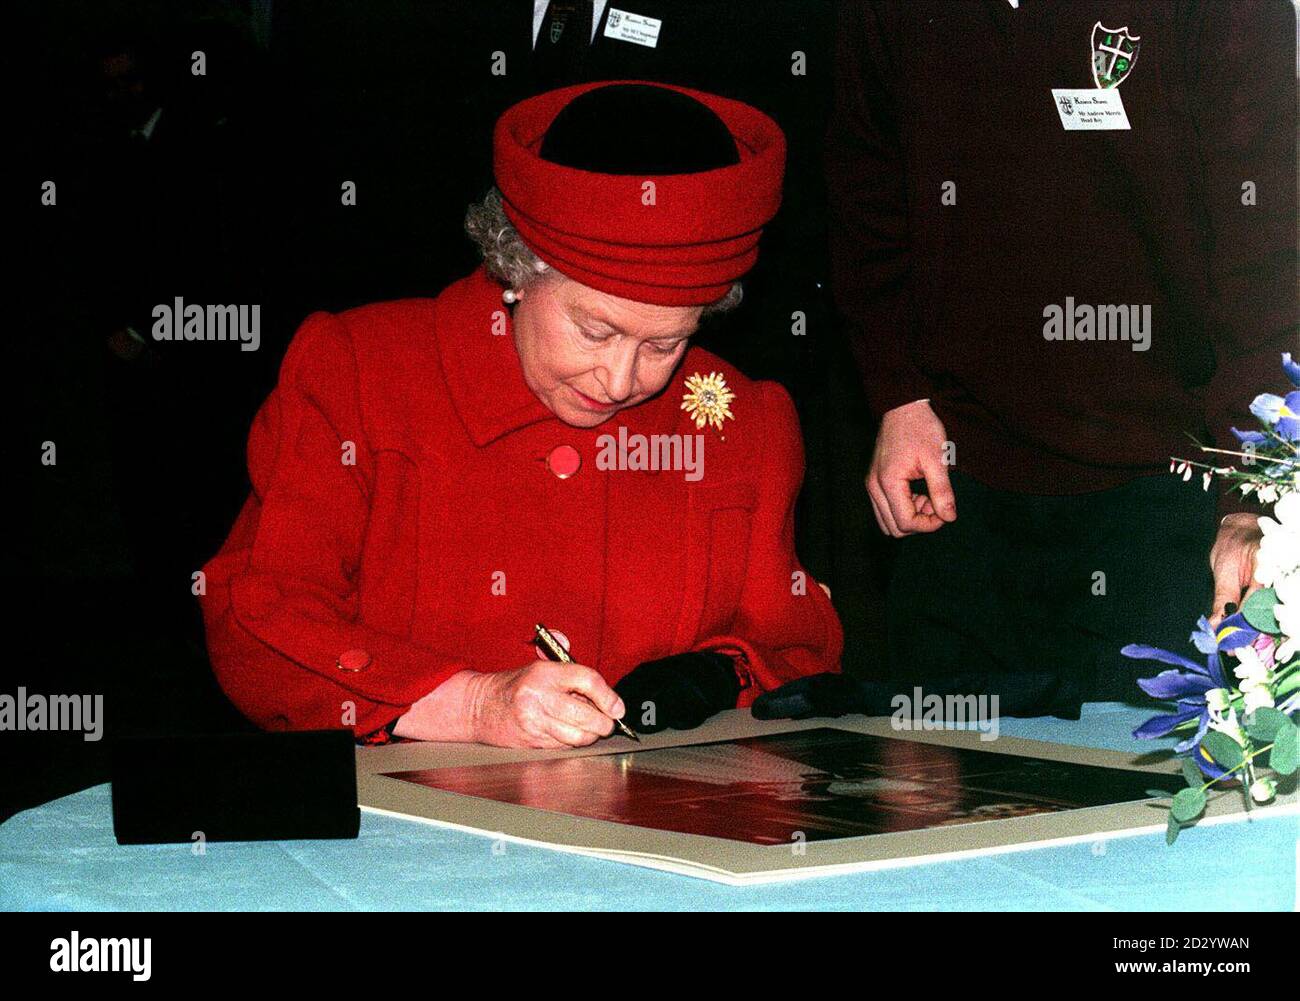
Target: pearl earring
<point>509,297</point>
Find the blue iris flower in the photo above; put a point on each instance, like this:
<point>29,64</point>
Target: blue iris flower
<point>1185,686</point>
<point>1251,437</point>
<point>1234,632</point>
<point>1281,413</point>
<point>1292,369</point>
<point>1204,638</point>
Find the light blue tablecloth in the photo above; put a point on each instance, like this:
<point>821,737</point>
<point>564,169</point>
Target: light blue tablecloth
<point>62,856</point>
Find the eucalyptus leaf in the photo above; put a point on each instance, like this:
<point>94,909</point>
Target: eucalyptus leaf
<point>1282,758</point>
<point>1192,774</point>
<point>1258,610</point>
<point>1225,751</point>
<point>1172,829</point>
<point>1188,804</point>
<point>1287,684</point>
<point>1263,723</point>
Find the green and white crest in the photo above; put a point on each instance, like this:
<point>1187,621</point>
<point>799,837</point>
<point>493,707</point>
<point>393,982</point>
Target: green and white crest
<point>1114,51</point>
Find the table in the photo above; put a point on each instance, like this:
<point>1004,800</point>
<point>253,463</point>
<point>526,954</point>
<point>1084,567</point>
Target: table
<point>62,856</point>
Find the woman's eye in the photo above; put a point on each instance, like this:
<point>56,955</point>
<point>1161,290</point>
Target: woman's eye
<point>671,349</point>
<point>594,338</point>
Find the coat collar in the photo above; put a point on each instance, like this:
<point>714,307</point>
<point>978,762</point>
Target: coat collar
<point>485,379</point>
<point>481,367</point>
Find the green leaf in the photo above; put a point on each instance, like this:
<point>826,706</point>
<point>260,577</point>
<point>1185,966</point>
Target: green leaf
<point>1287,684</point>
<point>1192,774</point>
<point>1225,751</point>
<point>1172,829</point>
<point>1258,610</point>
<point>1282,758</point>
<point>1188,805</point>
<point>1263,723</point>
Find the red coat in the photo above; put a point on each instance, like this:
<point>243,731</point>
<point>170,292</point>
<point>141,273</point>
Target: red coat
<point>449,536</point>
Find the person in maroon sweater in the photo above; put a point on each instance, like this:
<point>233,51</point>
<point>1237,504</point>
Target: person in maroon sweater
<point>539,444</point>
<point>981,237</point>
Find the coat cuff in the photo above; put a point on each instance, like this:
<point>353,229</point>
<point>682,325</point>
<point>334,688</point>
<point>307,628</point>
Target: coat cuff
<point>375,666</point>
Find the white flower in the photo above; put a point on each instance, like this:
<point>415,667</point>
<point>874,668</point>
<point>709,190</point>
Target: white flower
<point>1262,790</point>
<point>1256,697</point>
<point>1217,699</point>
<point>1255,678</point>
<point>1250,668</point>
<point>1267,493</point>
<point>1287,588</point>
<point>1230,725</point>
<point>1287,613</point>
<point>1279,549</point>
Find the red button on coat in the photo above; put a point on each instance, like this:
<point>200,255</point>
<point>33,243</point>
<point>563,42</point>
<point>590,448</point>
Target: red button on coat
<point>353,660</point>
<point>564,461</point>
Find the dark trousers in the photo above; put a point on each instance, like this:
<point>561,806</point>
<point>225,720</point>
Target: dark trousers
<point>1015,585</point>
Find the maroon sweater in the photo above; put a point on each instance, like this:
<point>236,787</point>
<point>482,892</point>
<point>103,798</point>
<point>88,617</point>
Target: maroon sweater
<point>947,301</point>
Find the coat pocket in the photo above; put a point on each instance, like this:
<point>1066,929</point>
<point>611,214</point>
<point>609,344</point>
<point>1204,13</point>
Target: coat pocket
<point>719,519</point>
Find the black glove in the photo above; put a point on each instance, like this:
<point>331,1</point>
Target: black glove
<point>1020,693</point>
<point>684,690</point>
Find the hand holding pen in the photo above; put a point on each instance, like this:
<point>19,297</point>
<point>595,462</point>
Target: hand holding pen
<point>548,704</point>
<point>557,652</point>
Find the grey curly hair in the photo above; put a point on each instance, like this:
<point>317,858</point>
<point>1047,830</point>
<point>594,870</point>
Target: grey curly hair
<point>512,262</point>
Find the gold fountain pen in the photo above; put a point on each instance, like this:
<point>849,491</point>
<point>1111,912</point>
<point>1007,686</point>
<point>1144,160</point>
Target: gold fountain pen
<point>556,652</point>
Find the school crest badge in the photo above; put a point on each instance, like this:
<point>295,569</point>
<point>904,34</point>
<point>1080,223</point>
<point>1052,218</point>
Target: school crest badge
<point>1114,52</point>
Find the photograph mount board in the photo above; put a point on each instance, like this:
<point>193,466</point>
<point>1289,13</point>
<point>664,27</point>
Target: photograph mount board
<point>743,801</point>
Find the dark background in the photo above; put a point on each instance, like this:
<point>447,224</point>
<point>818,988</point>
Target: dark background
<point>236,199</point>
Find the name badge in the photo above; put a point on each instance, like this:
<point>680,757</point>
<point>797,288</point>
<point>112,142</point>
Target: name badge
<point>1090,109</point>
<point>635,28</point>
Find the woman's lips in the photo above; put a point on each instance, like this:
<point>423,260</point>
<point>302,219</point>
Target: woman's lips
<point>591,404</point>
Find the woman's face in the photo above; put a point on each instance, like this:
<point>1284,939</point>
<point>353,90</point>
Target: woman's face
<point>587,354</point>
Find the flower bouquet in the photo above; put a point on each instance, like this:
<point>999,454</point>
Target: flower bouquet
<point>1234,707</point>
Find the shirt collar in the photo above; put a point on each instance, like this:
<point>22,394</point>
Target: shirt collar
<point>145,131</point>
<point>540,7</point>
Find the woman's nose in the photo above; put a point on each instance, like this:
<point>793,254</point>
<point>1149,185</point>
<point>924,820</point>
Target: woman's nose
<point>619,380</point>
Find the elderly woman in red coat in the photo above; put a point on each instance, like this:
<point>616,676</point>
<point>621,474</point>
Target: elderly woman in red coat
<point>538,444</point>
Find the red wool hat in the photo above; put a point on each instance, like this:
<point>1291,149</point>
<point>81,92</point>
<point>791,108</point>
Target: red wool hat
<point>685,248</point>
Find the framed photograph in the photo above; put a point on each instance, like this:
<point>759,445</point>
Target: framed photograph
<point>743,801</point>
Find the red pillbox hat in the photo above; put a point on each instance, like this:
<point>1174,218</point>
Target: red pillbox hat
<point>669,239</point>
